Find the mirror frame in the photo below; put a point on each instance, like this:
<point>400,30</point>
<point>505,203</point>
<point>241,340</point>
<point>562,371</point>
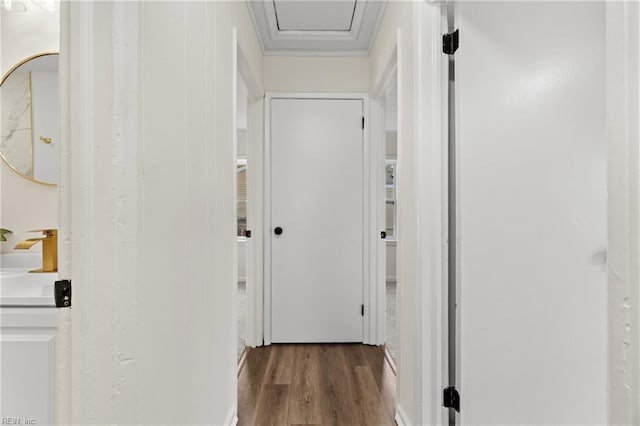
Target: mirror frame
<point>4,77</point>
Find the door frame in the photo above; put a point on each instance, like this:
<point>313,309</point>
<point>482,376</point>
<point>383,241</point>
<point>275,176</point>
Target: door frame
<point>253,281</point>
<point>423,118</point>
<point>369,221</point>
<point>387,78</point>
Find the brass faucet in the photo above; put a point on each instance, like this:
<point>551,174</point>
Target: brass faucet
<point>49,249</point>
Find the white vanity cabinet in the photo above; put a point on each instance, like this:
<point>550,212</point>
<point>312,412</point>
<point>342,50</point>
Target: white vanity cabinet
<point>27,364</point>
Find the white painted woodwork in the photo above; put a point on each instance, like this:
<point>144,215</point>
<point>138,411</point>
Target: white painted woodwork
<point>375,297</point>
<point>532,196</point>
<point>317,198</point>
<point>150,132</point>
<point>391,116</point>
<point>316,28</point>
<point>250,251</point>
<point>383,254</point>
<point>241,118</point>
<point>413,32</point>
<point>623,256</point>
<point>314,15</point>
<point>63,367</point>
<point>27,366</point>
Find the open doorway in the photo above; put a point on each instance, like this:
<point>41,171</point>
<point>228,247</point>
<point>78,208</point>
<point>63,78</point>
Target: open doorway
<point>390,214</point>
<point>248,159</point>
<point>242,190</point>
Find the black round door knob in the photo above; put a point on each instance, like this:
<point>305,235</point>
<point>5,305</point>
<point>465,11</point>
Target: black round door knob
<point>278,230</point>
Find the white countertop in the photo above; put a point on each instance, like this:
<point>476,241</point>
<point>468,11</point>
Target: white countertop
<point>18,287</point>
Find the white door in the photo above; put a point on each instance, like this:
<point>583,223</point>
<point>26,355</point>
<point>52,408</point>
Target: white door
<point>317,203</point>
<point>532,197</point>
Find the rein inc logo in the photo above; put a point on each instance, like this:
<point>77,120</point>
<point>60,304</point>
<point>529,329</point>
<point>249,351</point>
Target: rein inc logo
<point>17,421</point>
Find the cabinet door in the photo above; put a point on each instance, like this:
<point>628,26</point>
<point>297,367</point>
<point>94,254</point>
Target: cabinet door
<point>27,352</point>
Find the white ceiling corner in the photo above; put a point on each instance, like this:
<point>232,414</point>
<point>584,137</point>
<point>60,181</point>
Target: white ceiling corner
<point>316,27</point>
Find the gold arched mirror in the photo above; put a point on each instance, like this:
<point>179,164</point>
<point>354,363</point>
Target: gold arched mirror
<point>29,124</point>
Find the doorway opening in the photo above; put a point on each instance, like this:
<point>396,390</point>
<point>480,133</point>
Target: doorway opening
<point>242,199</point>
<point>390,216</point>
<point>317,219</point>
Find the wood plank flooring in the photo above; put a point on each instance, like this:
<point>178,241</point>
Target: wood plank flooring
<point>316,384</point>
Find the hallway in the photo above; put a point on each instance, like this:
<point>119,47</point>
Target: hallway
<point>492,212</point>
<point>306,384</point>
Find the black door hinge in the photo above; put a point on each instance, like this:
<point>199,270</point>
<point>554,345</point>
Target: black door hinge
<point>362,123</point>
<point>451,398</point>
<point>450,42</point>
<point>362,310</point>
<point>247,233</point>
<point>62,293</point>
<point>383,234</point>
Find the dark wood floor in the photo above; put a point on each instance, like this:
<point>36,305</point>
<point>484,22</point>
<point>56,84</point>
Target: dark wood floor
<point>316,384</point>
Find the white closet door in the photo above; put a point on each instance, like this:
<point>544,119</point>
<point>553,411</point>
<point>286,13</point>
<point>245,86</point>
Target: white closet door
<point>532,185</point>
<point>317,201</point>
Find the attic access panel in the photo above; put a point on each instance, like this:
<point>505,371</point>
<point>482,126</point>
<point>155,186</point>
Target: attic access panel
<point>314,15</point>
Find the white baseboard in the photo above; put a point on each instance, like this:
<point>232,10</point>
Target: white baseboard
<point>401,417</point>
<point>390,361</point>
<point>232,416</point>
<point>243,359</point>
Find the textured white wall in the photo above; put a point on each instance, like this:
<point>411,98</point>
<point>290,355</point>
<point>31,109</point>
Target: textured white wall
<point>316,74</point>
<point>153,256</point>
<point>26,205</point>
<point>623,93</point>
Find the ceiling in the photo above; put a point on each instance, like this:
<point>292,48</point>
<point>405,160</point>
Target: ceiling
<point>316,27</point>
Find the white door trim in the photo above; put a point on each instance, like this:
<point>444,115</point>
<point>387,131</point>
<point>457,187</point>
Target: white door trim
<point>367,207</point>
<point>253,277</point>
<point>431,127</point>
<point>623,127</point>
<point>63,378</point>
<point>378,295</point>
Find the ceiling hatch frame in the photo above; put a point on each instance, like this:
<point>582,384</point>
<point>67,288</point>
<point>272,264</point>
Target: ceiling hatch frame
<point>280,12</point>
<point>366,17</point>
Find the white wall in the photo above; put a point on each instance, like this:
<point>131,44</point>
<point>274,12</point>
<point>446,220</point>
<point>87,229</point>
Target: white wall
<point>316,74</point>
<point>26,205</point>
<point>153,258</point>
<point>623,92</point>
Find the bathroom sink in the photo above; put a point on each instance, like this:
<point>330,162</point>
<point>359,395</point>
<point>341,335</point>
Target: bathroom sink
<point>12,261</point>
<point>18,287</point>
